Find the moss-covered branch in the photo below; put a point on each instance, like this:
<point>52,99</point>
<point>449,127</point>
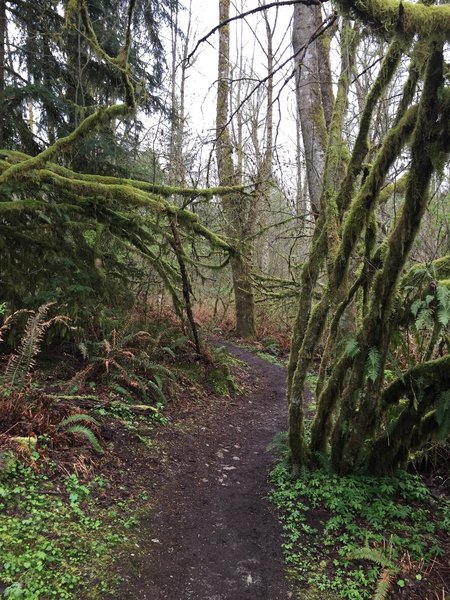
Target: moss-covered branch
<point>360,149</point>
<point>86,127</point>
<point>398,17</point>
<point>14,157</point>
<point>418,378</point>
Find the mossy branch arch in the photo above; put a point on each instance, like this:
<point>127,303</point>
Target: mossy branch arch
<point>38,195</point>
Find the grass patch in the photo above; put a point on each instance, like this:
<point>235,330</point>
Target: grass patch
<point>353,537</point>
<point>270,358</point>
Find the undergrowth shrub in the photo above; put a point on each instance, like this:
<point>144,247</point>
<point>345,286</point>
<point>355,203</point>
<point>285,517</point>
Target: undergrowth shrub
<point>134,364</point>
<point>26,410</point>
<point>54,541</point>
<point>357,536</point>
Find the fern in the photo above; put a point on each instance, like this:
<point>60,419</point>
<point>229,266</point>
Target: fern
<point>168,351</point>
<point>373,364</point>
<point>76,418</point>
<point>373,555</point>
<point>351,348</point>
<point>384,584</point>
<point>122,392</point>
<point>20,364</point>
<point>10,320</point>
<point>88,434</point>
<point>137,337</point>
<point>158,392</point>
<point>324,460</point>
<point>379,558</point>
<point>443,297</point>
<point>442,414</point>
<point>425,318</point>
<point>415,307</point>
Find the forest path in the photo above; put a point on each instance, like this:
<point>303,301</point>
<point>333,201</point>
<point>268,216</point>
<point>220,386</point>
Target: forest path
<point>213,534</point>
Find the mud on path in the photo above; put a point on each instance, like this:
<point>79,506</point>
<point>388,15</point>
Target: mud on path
<point>213,534</point>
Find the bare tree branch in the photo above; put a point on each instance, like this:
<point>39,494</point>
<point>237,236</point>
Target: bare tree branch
<point>325,25</point>
<point>251,12</point>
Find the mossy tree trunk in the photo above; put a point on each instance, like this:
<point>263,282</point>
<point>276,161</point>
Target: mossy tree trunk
<point>364,274</point>
<point>2,67</point>
<point>239,210</point>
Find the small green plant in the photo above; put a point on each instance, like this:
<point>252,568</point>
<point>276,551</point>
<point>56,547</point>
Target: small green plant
<point>271,347</point>
<point>270,358</point>
<point>311,379</point>
<point>347,535</point>
<point>55,541</point>
<point>279,445</point>
<point>218,372</point>
<point>373,364</point>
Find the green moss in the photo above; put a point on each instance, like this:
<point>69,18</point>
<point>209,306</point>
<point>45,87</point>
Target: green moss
<point>406,18</point>
<point>221,381</point>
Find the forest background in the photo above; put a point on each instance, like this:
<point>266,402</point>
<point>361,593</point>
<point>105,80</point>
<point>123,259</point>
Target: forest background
<point>158,232</point>
<point>306,204</point>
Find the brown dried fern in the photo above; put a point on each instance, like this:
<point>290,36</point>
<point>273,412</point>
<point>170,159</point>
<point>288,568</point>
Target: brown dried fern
<point>7,323</point>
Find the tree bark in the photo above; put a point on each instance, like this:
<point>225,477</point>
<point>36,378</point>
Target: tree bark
<point>2,69</point>
<point>307,19</point>
<point>239,214</point>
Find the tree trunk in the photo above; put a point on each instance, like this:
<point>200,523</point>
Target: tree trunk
<point>307,19</point>
<point>2,69</point>
<point>238,210</point>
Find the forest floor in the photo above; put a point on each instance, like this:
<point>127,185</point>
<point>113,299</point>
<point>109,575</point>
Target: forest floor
<point>212,533</point>
<point>176,506</point>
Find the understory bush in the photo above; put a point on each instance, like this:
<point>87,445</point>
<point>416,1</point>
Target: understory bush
<point>360,537</point>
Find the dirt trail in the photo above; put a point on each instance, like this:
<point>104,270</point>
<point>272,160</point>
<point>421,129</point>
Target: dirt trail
<point>213,535</point>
